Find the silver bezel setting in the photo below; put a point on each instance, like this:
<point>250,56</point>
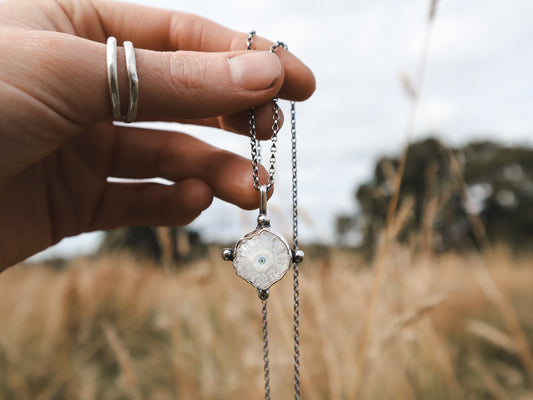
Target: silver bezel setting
<point>262,258</point>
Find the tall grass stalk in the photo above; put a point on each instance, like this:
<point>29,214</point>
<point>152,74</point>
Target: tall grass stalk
<point>413,91</point>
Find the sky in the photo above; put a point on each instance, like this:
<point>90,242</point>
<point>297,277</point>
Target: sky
<point>478,85</point>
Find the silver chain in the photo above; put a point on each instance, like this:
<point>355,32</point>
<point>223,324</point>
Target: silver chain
<point>255,143</point>
<point>266,364</point>
<point>295,265</point>
<point>256,159</point>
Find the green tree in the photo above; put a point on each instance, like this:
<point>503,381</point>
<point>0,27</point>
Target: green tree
<point>449,198</point>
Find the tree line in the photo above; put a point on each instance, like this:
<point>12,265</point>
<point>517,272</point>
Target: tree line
<point>449,199</point>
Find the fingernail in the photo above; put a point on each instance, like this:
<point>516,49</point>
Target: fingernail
<point>255,71</point>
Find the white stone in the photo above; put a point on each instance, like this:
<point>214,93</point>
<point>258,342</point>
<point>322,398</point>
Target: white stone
<point>262,258</point>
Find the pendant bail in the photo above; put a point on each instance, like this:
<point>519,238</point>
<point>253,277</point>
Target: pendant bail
<point>262,219</point>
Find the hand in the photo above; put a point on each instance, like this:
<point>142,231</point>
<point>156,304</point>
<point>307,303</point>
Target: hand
<point>57,141</point>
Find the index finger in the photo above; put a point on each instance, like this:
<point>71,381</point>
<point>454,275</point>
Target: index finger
<point>165,30</point>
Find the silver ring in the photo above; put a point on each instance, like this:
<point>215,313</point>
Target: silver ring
<point>112,76</point>
<point>131,67</point>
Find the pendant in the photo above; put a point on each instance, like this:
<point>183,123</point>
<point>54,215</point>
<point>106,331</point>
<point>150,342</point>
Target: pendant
<point>262,257</point>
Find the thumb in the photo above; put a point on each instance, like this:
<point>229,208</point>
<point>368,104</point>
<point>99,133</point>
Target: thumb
<point>184,84</point>
<point>188,84</point>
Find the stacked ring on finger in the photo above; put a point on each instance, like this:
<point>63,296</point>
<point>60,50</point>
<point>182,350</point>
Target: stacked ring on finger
<point>112,80</point>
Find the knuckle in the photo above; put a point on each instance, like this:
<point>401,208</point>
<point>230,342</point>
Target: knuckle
<point>186,71</point>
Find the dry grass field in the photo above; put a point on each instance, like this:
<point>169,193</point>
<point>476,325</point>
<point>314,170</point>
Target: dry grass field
<point>111,328</point>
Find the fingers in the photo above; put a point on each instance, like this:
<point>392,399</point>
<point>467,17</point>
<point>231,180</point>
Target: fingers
<point>239,122</point>
<point>166,30</point>
<point>263,115</point>
<point>175,156</point>
<point>149,204</point>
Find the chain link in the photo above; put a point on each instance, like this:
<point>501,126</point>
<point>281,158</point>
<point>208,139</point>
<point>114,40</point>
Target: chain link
<point>256,159</point>
<point>250,40</point>
<point>277,45</point>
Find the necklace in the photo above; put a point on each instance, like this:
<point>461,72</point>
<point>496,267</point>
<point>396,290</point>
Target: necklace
<point>262,257</point>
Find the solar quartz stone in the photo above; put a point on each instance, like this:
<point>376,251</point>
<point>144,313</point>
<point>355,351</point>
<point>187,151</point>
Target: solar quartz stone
<point>262,258</point>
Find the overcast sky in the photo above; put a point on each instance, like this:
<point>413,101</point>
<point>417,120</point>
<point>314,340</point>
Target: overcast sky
<point>479,84</point>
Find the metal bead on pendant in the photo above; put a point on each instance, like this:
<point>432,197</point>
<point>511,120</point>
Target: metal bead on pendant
<point>297,256</point>
<point>228,254</point>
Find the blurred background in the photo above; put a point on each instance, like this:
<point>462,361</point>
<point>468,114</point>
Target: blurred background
<point>476,86</point>
<point>416,202</point>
